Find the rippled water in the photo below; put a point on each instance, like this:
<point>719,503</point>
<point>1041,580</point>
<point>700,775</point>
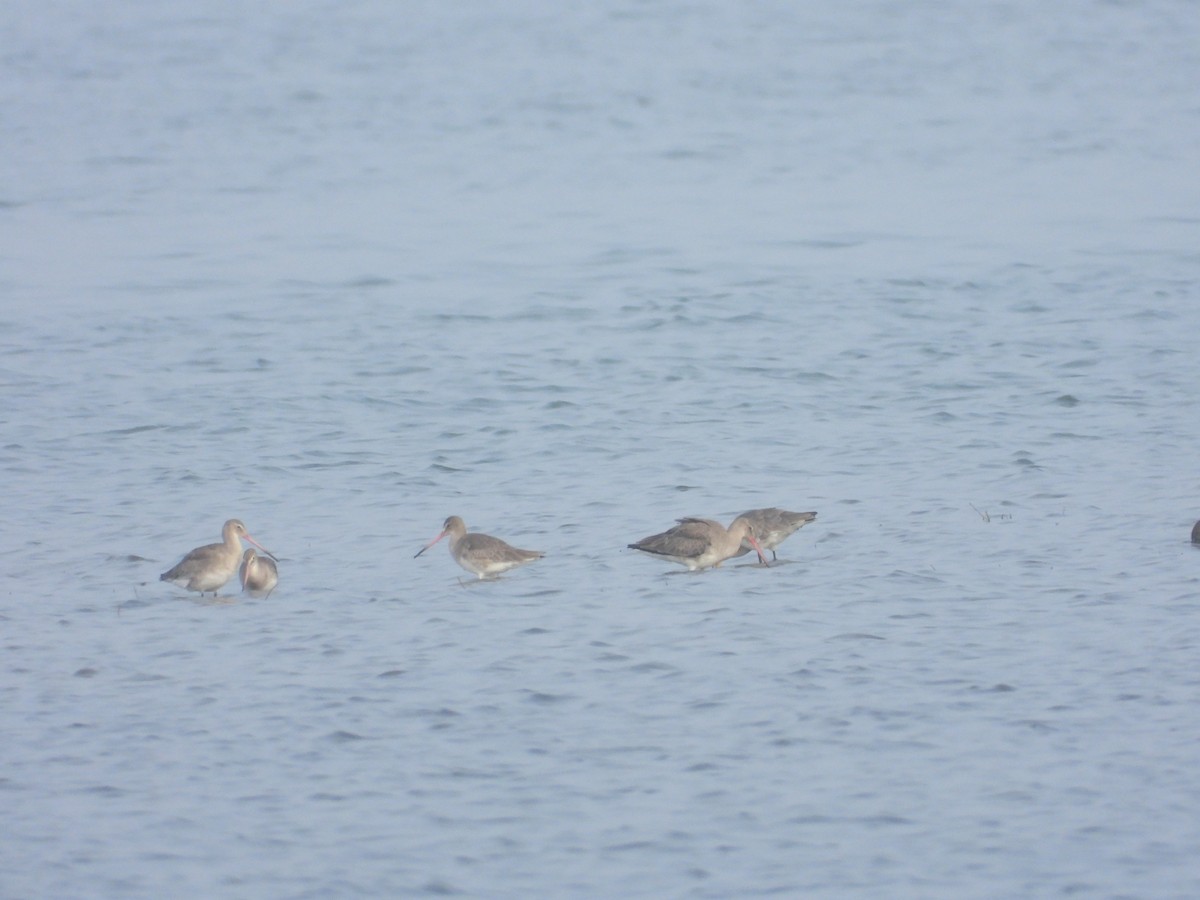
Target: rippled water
<point>343,271</point>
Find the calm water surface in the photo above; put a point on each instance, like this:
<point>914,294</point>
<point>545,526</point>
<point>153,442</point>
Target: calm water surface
<point>342,271</point>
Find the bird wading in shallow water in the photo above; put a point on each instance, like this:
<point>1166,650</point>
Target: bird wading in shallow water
<point>480,554</point>
<point>210,567</point>
<point>773,526</point>
<point>701,543</point>
<point>258,574</point>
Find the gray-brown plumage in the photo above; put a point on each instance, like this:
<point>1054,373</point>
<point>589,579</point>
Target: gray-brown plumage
<point>259,574</point>
<point>480,554</point>
<point>700,543</point>
<point>210,567</point>
<point>773,526</point>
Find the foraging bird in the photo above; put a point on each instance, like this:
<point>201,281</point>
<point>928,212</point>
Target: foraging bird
<point>480,554</point>
<point>208,568</point>
<point>773,526</point>
<point>259,574</point>
<point>701,543</point>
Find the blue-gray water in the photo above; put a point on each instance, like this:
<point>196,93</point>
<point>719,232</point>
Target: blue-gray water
<point>344,269</point>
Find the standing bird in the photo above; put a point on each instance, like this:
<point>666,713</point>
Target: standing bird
<point>480,554</point>
<point>259,574</point>
<point>773,526</point>
<point>700,543</point>
<point>1196,533</point>
<point>208,568</point>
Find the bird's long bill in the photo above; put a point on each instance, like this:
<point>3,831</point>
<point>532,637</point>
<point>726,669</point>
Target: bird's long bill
<point>430,544</point>
<point>261,547</point>
<point>757,549</point>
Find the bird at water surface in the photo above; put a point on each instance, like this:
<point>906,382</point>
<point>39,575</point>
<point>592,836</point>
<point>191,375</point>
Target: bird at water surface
<point>480,554</point>
<point>701,543</point>
<point>210,567</point>
<point>773,526</point>
<point>259,574</point>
